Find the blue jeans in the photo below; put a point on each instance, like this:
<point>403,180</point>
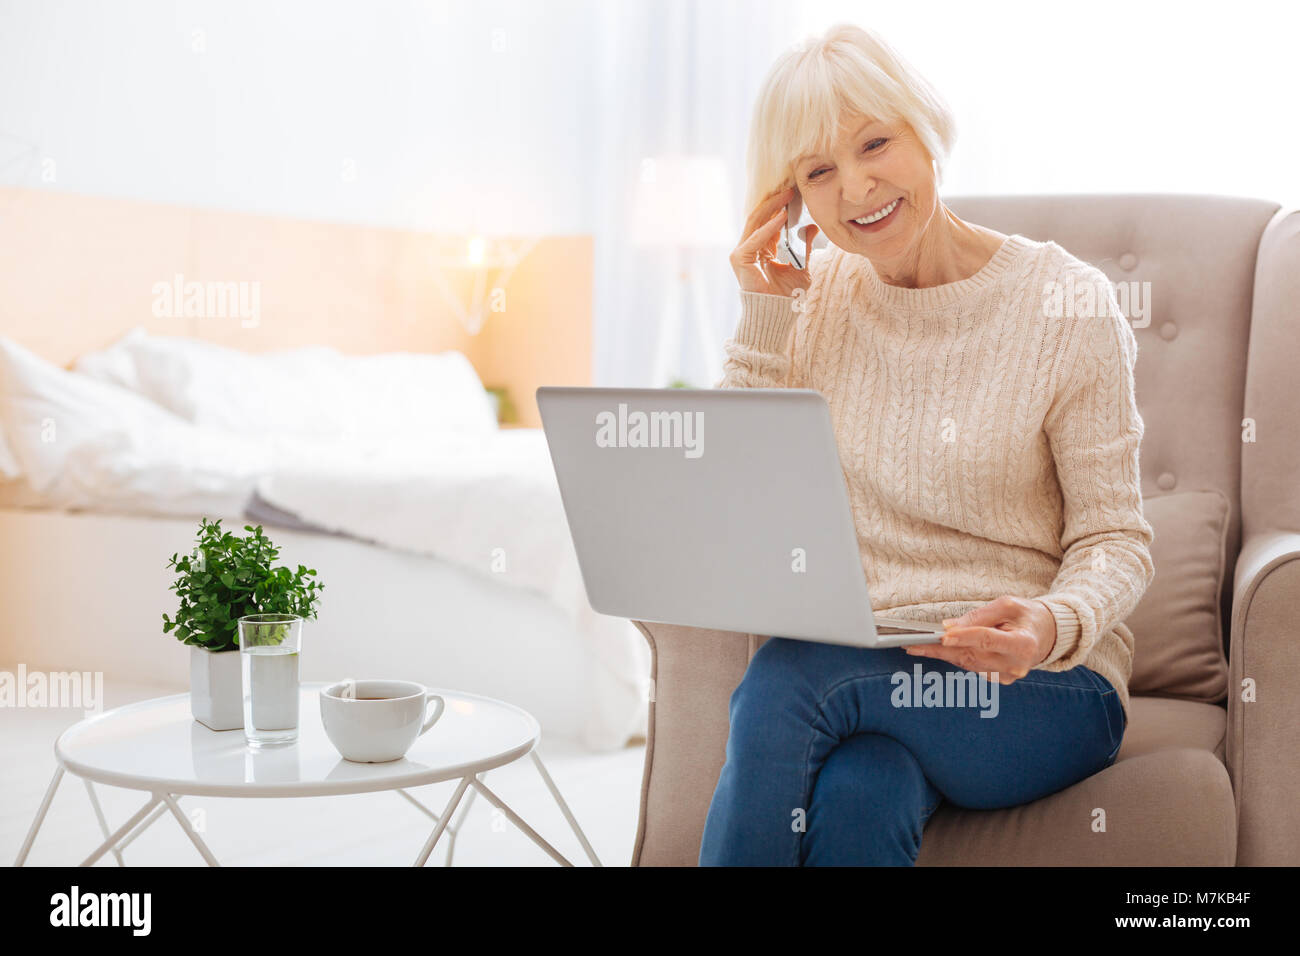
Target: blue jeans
<point>833,760</point>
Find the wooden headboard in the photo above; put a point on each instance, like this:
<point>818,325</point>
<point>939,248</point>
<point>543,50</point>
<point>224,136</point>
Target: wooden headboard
<point>78,272</point>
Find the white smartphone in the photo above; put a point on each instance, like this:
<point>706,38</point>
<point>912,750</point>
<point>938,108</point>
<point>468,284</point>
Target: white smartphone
<point>794,234</point>
<point>793,212</point>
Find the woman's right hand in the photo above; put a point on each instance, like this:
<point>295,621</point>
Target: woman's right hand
<point>752,260</point>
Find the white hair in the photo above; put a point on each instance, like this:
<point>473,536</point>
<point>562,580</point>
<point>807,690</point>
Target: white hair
<point>849,71</point>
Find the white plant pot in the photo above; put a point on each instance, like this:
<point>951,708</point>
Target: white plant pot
<point>216,688</point>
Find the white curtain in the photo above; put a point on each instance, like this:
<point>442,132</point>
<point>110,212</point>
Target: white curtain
<point>673,77</point>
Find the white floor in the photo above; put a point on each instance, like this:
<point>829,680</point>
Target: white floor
<point>603,790</point>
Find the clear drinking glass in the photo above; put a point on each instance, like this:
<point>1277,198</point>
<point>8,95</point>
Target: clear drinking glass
<point>268,650</point>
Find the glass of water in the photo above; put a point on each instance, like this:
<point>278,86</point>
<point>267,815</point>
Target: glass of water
<point>268,650</point>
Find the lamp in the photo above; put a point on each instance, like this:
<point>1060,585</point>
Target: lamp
<point>491,261</point>
<point>681,203</point>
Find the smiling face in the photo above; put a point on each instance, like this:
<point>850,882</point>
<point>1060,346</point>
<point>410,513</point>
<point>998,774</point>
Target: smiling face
<point>876,172</point>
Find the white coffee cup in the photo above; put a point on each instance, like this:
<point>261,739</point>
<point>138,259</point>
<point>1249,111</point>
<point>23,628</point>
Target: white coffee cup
<point>374,721</point>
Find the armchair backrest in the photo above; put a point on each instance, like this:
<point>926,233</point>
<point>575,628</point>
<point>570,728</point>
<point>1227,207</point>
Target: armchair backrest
<point>1211,285</point>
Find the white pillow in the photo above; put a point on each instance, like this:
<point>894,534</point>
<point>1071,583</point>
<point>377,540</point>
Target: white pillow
<point>88,444</point>
<point>313,392</point>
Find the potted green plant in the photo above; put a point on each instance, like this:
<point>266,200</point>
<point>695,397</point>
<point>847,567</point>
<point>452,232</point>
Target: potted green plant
<point>226,577</point>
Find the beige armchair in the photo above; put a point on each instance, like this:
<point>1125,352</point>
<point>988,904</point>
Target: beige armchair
<point>1199,780</point>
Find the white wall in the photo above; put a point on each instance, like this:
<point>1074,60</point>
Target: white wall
<point>417,114</point>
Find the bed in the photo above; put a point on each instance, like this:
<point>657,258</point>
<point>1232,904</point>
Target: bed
<point>439,536</point>
<point>442,542</point>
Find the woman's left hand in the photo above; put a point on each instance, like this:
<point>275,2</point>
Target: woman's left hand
<point>1001,640</point>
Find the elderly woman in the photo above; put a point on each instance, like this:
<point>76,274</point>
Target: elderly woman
<point>990,448</point>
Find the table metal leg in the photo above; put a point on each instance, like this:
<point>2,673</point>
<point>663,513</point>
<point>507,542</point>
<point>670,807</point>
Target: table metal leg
<point>446,818</point>
<point>478,785</point>
<point>564,807</point>
<point>143,818</point>
<point>136,825</point>
<point>115,837</point>
<point>514,818</point>
<point>99,815</point>
<point>145,824</point>
<point>464,812</point>
<point>453,827</point>
<point>183,820</point>
<point>451,830</point>
<point>40,816</point>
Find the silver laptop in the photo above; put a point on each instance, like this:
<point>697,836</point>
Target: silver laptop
<point>715,508</point>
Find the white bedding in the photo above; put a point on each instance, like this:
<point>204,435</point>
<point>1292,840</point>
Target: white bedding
<point>311,392</point>
<point>422,475</point>
<point>80,443</point>
<point>490,504</point>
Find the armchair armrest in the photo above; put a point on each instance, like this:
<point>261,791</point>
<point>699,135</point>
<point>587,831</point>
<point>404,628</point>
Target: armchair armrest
<point>1262,750</point>
<point>693,672</point>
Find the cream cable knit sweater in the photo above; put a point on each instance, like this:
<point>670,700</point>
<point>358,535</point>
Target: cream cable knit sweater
<point>989,447</point>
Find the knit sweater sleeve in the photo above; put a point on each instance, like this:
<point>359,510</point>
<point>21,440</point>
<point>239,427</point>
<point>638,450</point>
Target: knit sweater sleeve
<point>761,354</point>
<point>758,356</point>
<point>1094,429</point>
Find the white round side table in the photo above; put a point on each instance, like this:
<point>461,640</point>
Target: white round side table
<point>156,746</point>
